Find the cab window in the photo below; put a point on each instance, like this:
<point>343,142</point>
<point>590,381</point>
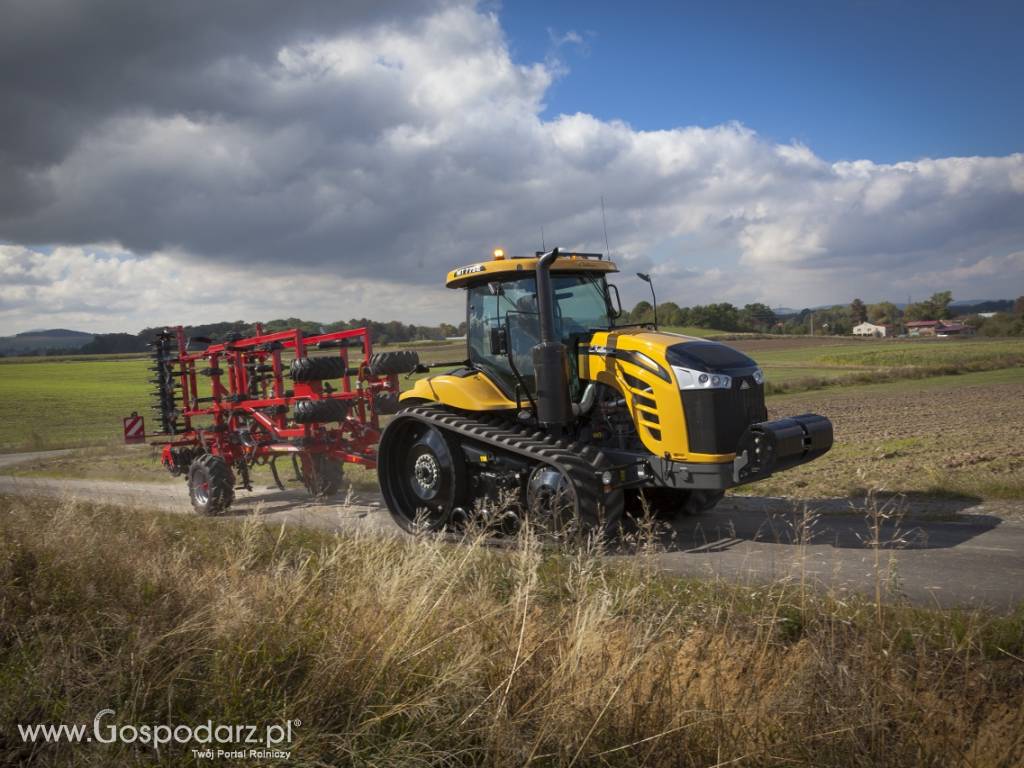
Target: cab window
<point>508,304</point>
<point>580,307</point>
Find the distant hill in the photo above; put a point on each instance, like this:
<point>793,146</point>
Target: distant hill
<point>784,312</point>
<point>35,342</point>
<point>62,340</point>
<point>976,306</point>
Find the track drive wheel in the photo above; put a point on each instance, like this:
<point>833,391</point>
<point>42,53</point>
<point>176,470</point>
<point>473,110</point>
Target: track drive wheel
<point>211,484</point>
<point>421,475</point>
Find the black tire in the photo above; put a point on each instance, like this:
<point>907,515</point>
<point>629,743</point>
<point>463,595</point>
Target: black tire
<point>388,363</point>
<point>322,475</point>
<point>386,403</point>
<point>211,484</point>
<point>317,368</point>
<point>314,411</point>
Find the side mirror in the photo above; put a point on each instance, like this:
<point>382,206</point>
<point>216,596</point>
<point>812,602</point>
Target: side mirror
<point>616,309</point>
<point>499,341</point>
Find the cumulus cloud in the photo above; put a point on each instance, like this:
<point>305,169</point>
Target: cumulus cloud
<point>111,289</point>
<point>344,155</point>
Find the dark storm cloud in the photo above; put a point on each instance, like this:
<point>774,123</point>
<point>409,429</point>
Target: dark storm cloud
<point>65,64</point>
<point>83,83</point>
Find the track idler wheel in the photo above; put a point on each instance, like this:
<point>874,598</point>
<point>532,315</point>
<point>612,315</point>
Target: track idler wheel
<point>551,500</point>
<point>211,484</point>
<point>421,477</point>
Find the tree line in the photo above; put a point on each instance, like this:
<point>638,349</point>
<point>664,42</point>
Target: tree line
<point>837,320</point>
<point>392,332</point>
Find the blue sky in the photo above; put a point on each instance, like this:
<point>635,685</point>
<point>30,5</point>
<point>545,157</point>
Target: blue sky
<point>887,81</point>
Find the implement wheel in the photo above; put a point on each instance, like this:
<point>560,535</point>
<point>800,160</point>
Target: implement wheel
<point>211,484</point>
<point>317,368</point>
<point>387,363</point>
<point>322,475</point>
<point>421,475</point>
<point>313,411</point>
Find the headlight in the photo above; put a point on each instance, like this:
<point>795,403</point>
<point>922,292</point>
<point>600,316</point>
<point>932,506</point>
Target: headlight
<point>759,376</point>
<point>691,379</point>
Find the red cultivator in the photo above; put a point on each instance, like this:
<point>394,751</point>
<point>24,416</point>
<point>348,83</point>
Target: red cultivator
<point>245,402</point>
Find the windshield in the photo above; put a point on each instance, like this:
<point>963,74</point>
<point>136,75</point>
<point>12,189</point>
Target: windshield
<point>581,304</point>
<point>580,307</point>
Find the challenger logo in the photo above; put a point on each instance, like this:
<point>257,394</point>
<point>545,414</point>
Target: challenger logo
<point>597,349</point>
<point>745,385</point>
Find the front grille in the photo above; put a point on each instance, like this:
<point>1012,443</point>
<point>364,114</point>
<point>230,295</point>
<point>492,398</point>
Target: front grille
<point>716,418</point>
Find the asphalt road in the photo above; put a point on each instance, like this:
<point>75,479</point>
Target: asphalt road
<point>969,557</point>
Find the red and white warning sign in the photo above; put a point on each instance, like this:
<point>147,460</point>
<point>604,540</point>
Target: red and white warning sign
<point>134,429</point>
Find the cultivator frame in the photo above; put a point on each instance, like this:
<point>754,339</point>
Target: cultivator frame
<point>322,411</point>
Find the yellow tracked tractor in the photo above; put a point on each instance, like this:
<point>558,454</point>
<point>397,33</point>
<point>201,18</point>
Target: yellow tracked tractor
<point>562,417</point>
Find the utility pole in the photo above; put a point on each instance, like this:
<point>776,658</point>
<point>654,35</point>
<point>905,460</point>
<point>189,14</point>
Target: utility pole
<point>812,323</point>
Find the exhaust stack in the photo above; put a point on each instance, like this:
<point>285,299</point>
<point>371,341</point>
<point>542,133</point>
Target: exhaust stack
<point>550,358</point>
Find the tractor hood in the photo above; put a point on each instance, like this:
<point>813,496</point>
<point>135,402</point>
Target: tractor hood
<point>708,357</point>
<point>677,350</point>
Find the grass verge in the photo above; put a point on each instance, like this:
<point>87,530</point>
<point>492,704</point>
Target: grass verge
<point>415,652</point>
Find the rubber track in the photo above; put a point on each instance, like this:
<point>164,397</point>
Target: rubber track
<point>581,463</point>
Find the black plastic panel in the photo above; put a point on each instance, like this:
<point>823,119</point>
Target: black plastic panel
<point>716,418</point>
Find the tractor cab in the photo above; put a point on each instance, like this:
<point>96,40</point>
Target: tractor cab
<point>503,314</point>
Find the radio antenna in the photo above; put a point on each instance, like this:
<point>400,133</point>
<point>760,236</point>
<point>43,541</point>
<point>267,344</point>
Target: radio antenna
<point>604,223</point>
<point>543,247</point>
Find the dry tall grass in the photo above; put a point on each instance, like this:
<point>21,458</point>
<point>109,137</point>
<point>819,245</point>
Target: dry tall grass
<point>418,652</point>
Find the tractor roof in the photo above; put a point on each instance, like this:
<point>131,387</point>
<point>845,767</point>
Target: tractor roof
<point>502,267</point>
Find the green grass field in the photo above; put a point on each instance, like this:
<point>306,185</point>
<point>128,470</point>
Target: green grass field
<point>73,402</point>
<point>80,400</point>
